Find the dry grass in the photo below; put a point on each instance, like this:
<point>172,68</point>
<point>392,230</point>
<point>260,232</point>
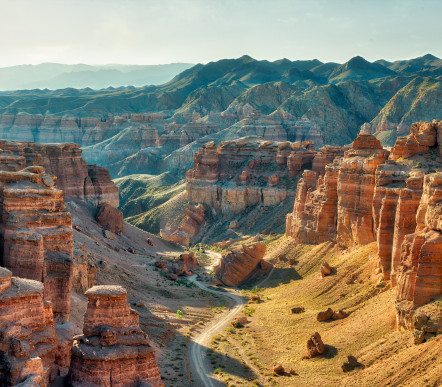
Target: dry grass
<point>368,333</point>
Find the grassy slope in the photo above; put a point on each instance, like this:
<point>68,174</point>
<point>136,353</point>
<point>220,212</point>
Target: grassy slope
<point>141,193</point>
<point>369,333</point>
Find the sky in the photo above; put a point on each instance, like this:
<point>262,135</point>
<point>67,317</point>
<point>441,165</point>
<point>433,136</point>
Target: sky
<point>200,31</point>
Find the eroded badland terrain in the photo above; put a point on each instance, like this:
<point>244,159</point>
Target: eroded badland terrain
<point>232,247</point>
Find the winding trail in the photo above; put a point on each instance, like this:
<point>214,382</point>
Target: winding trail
<point>198,346</point>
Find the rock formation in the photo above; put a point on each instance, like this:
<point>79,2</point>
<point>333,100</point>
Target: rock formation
<point>237,265</point>
<point>36,233</point>
<point>315,346</point>
<point>368,195</point>
<point>245,172</point>
<point>77,179</point>
<point>189,227</point>
<point>110,218</point>
<point>113,350</point>
<point>28,343</point>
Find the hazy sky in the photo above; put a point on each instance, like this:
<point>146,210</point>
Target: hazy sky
<point>164,31</point>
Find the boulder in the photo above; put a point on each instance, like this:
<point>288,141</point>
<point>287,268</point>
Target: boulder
<point>325,269</point>
<point>237,265</point>
<point>110,218</point>
<point>326,315</point>
<point>278,369</point>
<point>315,346</point>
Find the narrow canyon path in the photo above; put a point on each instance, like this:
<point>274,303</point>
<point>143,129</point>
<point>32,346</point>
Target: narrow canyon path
<point>197,352</point>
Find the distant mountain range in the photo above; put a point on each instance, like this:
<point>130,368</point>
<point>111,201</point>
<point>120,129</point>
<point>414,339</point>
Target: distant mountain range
<point>59,76</point>
<point>337,98</point>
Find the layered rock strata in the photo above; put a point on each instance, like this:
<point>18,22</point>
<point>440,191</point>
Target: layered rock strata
<point>366,196</point>
<point>36,234</point>
<point>236,266</point>
<point>338,205</point>
<point>28,343</point>
<point>244,172</point>
<point>77,179</point>
<point>113,350</point>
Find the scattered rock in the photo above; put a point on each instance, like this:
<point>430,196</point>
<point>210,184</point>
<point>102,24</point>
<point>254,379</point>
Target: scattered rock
<point>340,314</point>
<point>78,228</point>
<point>131,250</point>
<point>108,234</point>
<point>278,369</point>
<point>239,322</point>
<point>325,269</point>
<point>324,316</point>
<point>140,304</point>
<point>255,297</point>
<point>297,310</point>
<point>173,277</point>
<point>149,242</point>
<point>160,264</point>
<point>293,372</point>
<point>315,346</point>
<point>351,364</point>
<point>265,231</point>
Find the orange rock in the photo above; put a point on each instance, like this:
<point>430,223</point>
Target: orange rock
<point>110,218</point>
<point>237,265</point>
<point>315,346</point>
<point>112,340</point>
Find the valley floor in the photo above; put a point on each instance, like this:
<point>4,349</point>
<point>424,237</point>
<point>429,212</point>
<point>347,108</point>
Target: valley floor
<point>369,333</point>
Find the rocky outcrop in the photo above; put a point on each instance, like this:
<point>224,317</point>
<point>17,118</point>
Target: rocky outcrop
<point>244,172</point>
<point>423,136</point>
<point>28,343</point>
<point>77,179</point>
<point>110,218</point>
<point>419,270</point>
<point>366,196</point>
<point>338,205</point>
<point>237,265</point>
<point>189,227</point>
<point>36,234</point>
<point>113,350</point>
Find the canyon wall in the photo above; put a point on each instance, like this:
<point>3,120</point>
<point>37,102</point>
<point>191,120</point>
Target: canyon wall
<point>392,198</point>
<point>36,234</point>
<point>244,172</point>
<point>28,343</point>
<point>77,179</point>
<point>36,243</point>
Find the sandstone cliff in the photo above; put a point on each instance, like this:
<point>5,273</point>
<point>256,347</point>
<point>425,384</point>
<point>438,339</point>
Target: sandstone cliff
<point>36,234</point>
<point>28,341</point>
<point>245,172</point>
<point>393,199</point>
<point>113,350</point>
<point>77,179</point>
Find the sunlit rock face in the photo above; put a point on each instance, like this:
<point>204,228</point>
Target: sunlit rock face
<point>113,350</point>
<point>370,195</point>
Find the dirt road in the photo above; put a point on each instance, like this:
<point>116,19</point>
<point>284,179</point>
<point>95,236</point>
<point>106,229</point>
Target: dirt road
<point>198,346</point>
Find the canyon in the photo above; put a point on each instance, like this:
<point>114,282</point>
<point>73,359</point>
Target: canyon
<point>41,269</point>
<point>391,198</point>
